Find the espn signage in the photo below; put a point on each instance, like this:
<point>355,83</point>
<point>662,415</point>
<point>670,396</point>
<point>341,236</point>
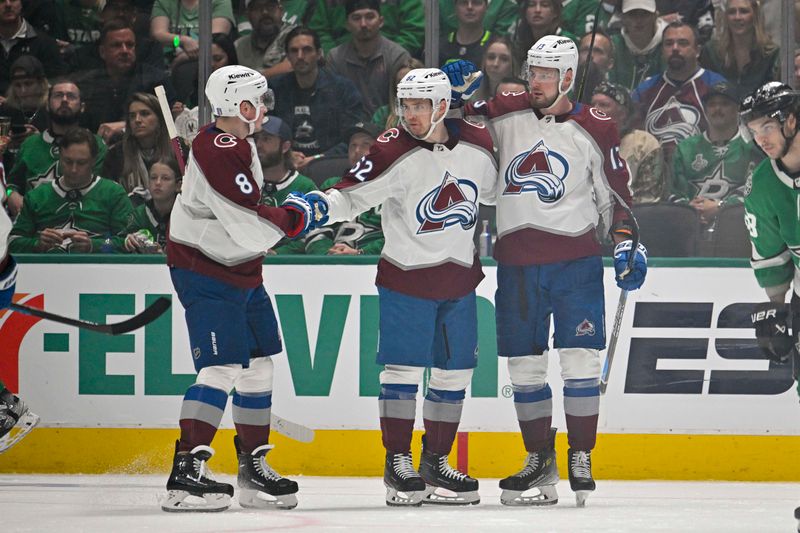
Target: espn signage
<point>686,358</point>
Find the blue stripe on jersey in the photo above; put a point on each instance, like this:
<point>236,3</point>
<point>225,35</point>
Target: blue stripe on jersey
<point>445,396</point>
<point>581,387</point>
<point>534,396</point>
<point>393,391</point>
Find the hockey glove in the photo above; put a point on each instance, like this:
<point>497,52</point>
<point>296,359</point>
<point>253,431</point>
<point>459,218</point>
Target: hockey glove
<point>635,278</point>
<point>319,203</point>
<point>296,201</point>
<point>465,78</point>
<point>772,331</point>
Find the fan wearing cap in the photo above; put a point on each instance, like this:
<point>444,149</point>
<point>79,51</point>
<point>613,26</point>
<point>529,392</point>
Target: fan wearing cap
<point>637,48</point>
<point>362,235</point>
<point>640,150</point>
<point>20,38</point>
<point>274,147</point>
<point>561,181</point>
<point>710,169</point>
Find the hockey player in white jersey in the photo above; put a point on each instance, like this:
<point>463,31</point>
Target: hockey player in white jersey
<point>429,176</point>
<point>561,180</point>
<point>218,236</point>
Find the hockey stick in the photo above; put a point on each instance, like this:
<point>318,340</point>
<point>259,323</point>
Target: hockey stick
<point>155,310</point>
<point>166,113</point>
<point>585,74</point>
<point>623,298</point>
<point>290,429</point>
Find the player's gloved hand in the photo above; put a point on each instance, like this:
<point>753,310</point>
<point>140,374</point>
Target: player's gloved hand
<point>772,331</point>
<point>319,203</point>
<point>8,281</point>
<point>465,78</point>
<point>635,278</point>
<point>296,201</point>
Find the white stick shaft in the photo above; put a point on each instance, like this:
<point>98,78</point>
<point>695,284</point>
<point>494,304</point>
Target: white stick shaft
<point>166,112</point>
<point>290,429</point>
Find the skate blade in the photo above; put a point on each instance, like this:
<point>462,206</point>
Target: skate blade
<point>581,496</point>
<point>23,426</point>
<point>180,501</point>
<point>256,499</point>
<point>396,498</point>
<point>546,495</point>
<point>443,496</point>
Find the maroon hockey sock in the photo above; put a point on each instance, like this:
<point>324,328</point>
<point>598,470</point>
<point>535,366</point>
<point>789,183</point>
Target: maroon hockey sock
<point>582,432</point>
<point>439,436</point>
<point>396,433</point>
<point>195,433</point>
<point>251,437</point>
<point>535,433</point>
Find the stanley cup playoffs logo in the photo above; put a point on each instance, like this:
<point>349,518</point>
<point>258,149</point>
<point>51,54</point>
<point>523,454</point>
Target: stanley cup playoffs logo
<point>540,170</point>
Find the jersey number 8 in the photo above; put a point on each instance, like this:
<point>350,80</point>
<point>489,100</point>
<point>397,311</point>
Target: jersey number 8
<point>244,185</point>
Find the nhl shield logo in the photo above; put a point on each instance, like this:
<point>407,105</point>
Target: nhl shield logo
<point>585,328</point>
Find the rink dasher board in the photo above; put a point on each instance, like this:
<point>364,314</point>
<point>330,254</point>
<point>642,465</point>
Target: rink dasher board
<point>111,404</point>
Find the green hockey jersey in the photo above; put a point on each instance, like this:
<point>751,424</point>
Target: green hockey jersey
<point>37,162</point>
<point>716,172</point>
<point>772,217</point>
<point>273,195</point>
<point>146,216</point>
<point>101,209</point>
<point>364,233</point>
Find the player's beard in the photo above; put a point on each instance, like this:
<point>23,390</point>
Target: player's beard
<point>64,119</point>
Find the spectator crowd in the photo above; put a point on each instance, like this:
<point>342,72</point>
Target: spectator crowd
<point>90,168</point>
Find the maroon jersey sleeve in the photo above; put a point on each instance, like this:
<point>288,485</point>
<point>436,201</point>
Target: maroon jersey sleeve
<point>387,149</point>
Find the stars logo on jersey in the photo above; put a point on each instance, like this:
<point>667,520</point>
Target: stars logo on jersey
<point>540,170</point>
<point>454,201</point>
<point>585,328</point>
<point>70,227</point>
<point>715,185</point>
<point>673,122</point>
<point>50,175</point>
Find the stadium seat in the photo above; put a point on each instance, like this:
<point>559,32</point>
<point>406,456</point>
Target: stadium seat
<point>730,234</point>
<point>667,229</point>
<point>326,167</point>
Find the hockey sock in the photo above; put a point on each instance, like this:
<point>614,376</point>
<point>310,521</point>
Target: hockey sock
<point>251,415</point>
<point>398,407</point>
<point>441,412</point>
<point>582,406</point>
<point>201,413</point>
<point>534,405</point>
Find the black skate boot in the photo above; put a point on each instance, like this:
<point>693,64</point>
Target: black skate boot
<point>445,484</point>
<point>404,486</point>
<point>190,489</point>
<point>540,472</point>
<point>580,475</point>
<point>261,487</point>
<point>16,420</point>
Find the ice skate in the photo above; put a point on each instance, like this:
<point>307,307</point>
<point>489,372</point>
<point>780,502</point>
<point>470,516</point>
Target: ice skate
<point>580,475</point>
<point>261,487</point>
<point>189,489</point>
<point>404,486</point>
<point>539,472</point>
<point>16,420</point>
<point>445,484</point>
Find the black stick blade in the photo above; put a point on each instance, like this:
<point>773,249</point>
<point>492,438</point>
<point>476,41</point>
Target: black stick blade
<point>155,310</point>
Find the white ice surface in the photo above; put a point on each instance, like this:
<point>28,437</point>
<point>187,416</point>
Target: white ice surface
<point>121,503</point>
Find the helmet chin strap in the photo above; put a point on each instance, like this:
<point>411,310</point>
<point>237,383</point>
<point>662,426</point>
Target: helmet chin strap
<point>434,123</point>
<point>788,144</point>
<point>251,124</point>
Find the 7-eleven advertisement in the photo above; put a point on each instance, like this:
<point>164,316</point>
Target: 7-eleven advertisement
<point>686,359</point>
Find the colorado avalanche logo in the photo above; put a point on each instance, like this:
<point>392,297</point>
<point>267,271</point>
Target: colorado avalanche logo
<point>673,122</point>
<point>584,328</point>
<point>541,170</point>
<point>453,202</point>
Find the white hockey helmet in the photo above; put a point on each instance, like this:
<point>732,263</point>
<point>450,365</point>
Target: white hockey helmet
<point>428,83</point>
<point>554,51</point>
<point>229,86</point>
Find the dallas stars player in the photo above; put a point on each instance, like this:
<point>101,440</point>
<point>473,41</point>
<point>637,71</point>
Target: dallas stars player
<point>78,212</point>
<point>771,115</point>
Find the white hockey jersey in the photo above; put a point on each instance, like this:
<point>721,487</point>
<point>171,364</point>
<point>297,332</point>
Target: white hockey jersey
<point>429,195</point>
<point>556,179</point>
<point>217,226</point>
